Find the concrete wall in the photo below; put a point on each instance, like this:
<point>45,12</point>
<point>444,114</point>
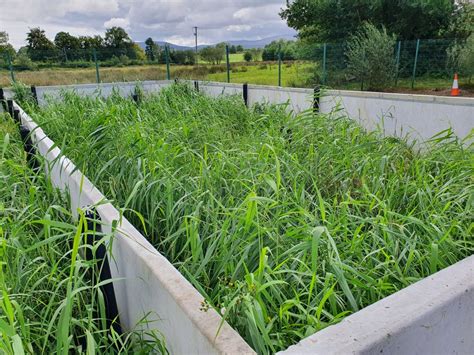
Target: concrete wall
<point>418,116</point>
<point>104,90</point>
<point>146,283</point>
<point>298,100</point>
<point>432,316</point>
<point>216,89</point>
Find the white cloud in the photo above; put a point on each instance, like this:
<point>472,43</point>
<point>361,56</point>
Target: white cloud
<point>169,20</point>
<point>259,13</point>
<point>238,28</point>
<point>34,10</point>
<point>119,22</point>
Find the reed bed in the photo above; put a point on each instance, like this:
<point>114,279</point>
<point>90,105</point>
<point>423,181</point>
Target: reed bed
<point>285,224</point>
<point>48,304</point>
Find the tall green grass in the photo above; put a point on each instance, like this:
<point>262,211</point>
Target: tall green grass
<point>284,224</point>
<point>47,301</point>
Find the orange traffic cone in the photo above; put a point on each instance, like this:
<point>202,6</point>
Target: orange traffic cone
<point>455,89</point>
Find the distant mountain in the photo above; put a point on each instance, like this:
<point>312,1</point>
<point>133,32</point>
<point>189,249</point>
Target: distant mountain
<point>259,43</point>
<point>162,43</point>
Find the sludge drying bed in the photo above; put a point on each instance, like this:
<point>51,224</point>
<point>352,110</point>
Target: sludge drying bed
<point>284,224</point>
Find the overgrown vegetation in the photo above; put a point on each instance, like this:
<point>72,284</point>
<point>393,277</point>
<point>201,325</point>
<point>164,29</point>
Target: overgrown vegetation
<point>284,224</point>
<point>461,57</point>
<point>47,301</point>
<point>370,57</point>
<point>335,20</point>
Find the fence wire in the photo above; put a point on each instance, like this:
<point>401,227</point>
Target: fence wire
<point>318,64</point>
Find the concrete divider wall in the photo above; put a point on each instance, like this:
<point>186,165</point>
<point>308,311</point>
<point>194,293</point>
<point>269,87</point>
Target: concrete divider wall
<point>146,283</point>
<point>419,116</point>
<point>216,89</point>
<point>104,90</point>
<point>298,99</point>
<point>432,316</point>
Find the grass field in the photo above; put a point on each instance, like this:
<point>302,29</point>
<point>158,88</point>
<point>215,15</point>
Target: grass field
<point>236,57</point>
<point>233,58</point>
<point>285,224</point>
<point>296,74</point>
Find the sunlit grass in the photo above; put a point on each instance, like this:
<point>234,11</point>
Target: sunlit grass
<point>285,224</point>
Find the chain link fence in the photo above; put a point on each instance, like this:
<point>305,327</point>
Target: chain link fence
<point>418,62</point>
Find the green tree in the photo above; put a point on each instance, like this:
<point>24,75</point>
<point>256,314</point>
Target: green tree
<point>232,49</point>
<point>23,62</point>
<point>68,45</point>
<point>87,42</point>
<point>186,57</point>
<point>461,57</point>
<point>247,56</point>
<point>333,20</point>
<point>117,37</point>
<point>39,46</point>
<point>287,48</point>
<point>239,48</point>
<point>256,54</point>
<point>63,40</point>
<point>462,24</point>
<point>138,52</point>
<point>151,49</point>
<point>370,57</point>
<point>118,42</point>
<point>214,55</point>
<point>466,58</point>
<point>6,49</point>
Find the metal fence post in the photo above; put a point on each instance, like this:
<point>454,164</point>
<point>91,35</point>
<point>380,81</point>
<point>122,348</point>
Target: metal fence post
<point>2,99</point>
<point>397,65</point>
<point>316,98</point>
<point>34,94</point>
<point>167,58</point>
<point>279,65</point>
<point>97,74</point>
<point>10,66</point>
<point>324,64</point>
<point>227,61</point>
<point>414,64</point>
<point>245,94</point>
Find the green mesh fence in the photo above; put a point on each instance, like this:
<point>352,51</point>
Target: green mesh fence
<point>318,64</point>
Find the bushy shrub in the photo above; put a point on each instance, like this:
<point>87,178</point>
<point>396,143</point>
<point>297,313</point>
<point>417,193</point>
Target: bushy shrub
<point>370,57</point>
<point>217,69</point>
<point>287,50</point>
<point>23,62</point>
<point>247,56</point>
<point>241,69</point>
<point>124,60</point>
<point>461,57</point>
<point>114,61</point>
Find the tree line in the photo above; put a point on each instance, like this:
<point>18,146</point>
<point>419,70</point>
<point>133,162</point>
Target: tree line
<point>337,20</point>
<point>115,48</point>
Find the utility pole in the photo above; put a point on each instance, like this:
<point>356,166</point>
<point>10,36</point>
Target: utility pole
<point>196,43</point>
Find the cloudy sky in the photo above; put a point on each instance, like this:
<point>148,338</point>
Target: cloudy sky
<point>169,20</point>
